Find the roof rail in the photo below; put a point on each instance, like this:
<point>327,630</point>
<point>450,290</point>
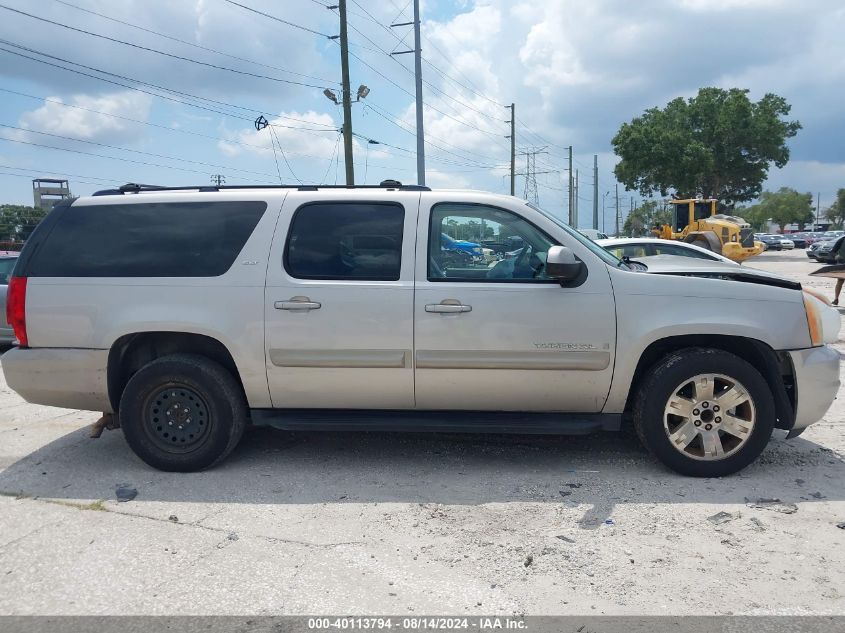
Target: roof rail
<point>138,188</point>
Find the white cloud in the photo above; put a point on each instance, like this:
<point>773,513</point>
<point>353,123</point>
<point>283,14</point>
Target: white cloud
<point>85,122</point>
<point>445,180</point>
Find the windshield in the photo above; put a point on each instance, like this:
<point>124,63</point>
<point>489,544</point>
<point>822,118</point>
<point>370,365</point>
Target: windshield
<point>607,257</point>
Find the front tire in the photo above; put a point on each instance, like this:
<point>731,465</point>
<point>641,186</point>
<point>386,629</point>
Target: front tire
<point>182,413</point>
<point>704,412</point>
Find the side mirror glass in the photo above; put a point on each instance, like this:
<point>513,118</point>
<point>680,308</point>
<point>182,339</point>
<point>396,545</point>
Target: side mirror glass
<point>561,264</point>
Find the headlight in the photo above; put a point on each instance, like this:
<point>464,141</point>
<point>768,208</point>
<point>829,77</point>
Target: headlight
<point>823,319</point>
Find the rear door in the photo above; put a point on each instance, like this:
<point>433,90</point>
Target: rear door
<point>339,300</point>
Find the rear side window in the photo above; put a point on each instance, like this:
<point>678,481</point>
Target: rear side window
<point>174,239</point>
<point>345,241</point>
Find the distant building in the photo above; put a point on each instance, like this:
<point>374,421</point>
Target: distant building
<point>48,191</point>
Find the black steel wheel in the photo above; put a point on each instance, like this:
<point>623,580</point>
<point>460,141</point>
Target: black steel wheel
<point>183,413</point>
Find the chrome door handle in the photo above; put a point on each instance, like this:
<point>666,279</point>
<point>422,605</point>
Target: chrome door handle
<point>448,306</point>
<point>298,304</point>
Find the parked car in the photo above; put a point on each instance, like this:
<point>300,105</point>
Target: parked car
<point>786,243</point>
<point>7,263</point>
<point>771,242</point>
<point>190,313</point>
<point>799,240</point>
<point>472,249</point>
<point>813,249</point>
<point>647,246</point>
<point>825,253</point>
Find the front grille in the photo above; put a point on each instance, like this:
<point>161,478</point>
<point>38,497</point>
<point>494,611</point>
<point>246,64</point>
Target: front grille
<point>746,238</point>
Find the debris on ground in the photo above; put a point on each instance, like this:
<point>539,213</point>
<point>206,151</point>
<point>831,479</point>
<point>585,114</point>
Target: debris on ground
<point>817,495</point>
<point>758,524</point>
<point>841,526</point>
<point>574,485</point>
<point>609,522</point>
<point>775,505</point>
<point>565,493</point>
<point>722,517</point>
<point>125,492</point>
<point>528,560</point>
<point>565,538</point>
<point>173,518</point>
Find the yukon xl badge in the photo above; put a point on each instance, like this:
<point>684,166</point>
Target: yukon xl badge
<point>573,347</point>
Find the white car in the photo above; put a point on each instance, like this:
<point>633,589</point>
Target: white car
<point>635,247</point>
<point>786,244</point>
<point>187,314</point>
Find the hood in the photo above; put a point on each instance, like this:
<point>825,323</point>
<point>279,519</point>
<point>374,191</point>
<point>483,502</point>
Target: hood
<point>690,267</point>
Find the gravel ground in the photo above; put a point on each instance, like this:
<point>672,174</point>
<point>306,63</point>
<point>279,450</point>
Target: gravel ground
<point>384,523</point>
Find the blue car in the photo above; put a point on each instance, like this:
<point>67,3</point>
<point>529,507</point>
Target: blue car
<point>448,243</point>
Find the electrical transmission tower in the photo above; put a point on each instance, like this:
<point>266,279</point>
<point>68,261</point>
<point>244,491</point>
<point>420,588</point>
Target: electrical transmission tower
<point>531,193</point>
<point>218,179</point>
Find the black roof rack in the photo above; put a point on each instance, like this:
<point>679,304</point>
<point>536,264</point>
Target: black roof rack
<point>133,187</point>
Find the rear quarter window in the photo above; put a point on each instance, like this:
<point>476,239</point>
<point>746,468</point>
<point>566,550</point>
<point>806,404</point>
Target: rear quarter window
<point>174,239</point>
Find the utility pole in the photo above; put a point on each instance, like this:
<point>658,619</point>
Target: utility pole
<point>818,210</point>
<point>419,96</point>
<point>418,74</point>
<point>571,192</point>
<point>218,179</point>
<point>512,137</point>
<point>347,96</point>
<point>617,209</point>
<point>596,192</point>
<point>575,225</point>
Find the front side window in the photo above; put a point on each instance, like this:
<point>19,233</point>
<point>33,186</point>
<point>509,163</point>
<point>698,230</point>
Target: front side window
<point>478,243</point>
<point>341,240</point>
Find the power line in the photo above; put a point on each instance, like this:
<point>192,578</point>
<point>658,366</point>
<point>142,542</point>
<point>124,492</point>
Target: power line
<point>144,83</point>
<point>458,70</point>
<point>192,44</point>
<point>434,67</point>
<point>166,128</point>
<point>166,54</point>
<point>127,149</point>
<point>273,17</point>
<point>126,160</point>
<point>433,87</point>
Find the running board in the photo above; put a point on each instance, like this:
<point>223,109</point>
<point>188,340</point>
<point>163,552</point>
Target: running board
<point>437,421</point>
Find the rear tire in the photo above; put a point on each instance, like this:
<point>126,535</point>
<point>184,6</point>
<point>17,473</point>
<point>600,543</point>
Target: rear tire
<point>182,413</point>
<point>678,417</point>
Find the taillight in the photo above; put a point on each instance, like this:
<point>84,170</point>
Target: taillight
<point>16,308</point>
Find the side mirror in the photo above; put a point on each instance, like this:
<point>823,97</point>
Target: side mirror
<point>561,264</point>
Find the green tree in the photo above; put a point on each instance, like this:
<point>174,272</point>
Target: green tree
<point>641,220</point>
<point>18,221</point>
<point>784,206</point>
<point>719,144</point>
<point>836,212</point>
<point>755,215</point>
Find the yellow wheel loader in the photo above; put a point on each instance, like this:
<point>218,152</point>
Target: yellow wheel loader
<point>696,221</point>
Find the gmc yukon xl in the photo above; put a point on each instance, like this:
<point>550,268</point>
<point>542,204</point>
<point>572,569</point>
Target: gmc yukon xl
<point>192,313</point>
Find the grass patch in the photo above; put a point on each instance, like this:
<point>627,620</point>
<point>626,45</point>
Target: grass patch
<point>95,506</point>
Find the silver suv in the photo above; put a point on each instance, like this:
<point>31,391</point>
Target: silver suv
<point>192,313</point>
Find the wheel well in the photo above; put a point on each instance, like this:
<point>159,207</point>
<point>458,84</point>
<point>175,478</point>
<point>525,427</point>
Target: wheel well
<point>775,367</point>
<point>132,351</point>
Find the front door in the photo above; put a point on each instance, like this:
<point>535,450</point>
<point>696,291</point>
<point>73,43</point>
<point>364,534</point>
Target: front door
<point>339,302</point>
<point>493,332</point>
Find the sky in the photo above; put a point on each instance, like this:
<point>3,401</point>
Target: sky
<point>104,92</point>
